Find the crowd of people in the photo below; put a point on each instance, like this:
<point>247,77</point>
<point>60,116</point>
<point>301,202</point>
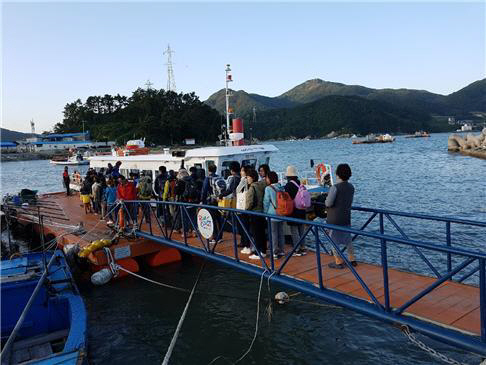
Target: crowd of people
<point>253,190</point>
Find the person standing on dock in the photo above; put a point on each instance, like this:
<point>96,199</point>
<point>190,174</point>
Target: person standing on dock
<point>296,229</point>
<point>159,188</point>
<point>254,202</point>
<point>338,203</point>
<point>66,180</point>
<point>263,171</point>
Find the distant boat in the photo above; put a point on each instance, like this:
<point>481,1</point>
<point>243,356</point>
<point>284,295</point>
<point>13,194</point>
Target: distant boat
<point>419,134</point>
<point>72,160</point>
<point>371,138</point>
<point>133,148</point>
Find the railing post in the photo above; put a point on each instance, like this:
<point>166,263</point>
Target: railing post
<point>318,256</point>
<point>183,218</point>
<point>269,227</point>
<point>482,298</point>
<point>448,240</point>
<point>384,264</point>
<point>235,241</point>
<point>382,226</point>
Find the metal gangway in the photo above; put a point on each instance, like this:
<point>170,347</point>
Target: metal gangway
<point>447,303</point>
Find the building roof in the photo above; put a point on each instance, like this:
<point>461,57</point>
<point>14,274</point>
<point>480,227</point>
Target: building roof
<point>60,142</point>
<point>63,135</point>
<point>8,144</point>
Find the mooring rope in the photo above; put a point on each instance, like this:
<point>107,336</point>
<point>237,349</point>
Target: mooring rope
<point>257,319</point>
<point>181,321</point>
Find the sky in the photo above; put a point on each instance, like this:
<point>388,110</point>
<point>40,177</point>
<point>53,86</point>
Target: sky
<point>54,53</point>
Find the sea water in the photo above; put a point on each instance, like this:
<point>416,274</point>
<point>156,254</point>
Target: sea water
<point>133,321</point>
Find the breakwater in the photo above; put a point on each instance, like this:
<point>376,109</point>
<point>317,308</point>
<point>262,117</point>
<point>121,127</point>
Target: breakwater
<point>28,156</point>
<point>470,145</point>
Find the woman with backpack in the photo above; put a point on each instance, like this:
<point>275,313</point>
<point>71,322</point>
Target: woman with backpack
<point>254,202</point>
<point>296,229</point>
<point>169,195</point>
<point>270,207</point>
<point>181,193</point>
<point>144,192</point>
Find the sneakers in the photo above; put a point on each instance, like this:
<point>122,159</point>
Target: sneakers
<point>246,251</point>
<point>278,255</point>
<point>256,257</point>
<point>333,265</point>
<point>354,263</point>
<point>300,252</point>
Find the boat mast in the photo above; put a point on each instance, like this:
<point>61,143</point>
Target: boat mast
<point>229,111</point>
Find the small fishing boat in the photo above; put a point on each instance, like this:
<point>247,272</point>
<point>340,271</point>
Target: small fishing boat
<point>77,159</point>
<point>418,134</point>
<point>371,138</point>
<point>43,314</point>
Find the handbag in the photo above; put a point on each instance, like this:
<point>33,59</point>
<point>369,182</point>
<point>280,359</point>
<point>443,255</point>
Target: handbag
<point>241,200</point>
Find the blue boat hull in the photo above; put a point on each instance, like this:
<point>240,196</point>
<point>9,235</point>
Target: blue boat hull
<point>54,328</point>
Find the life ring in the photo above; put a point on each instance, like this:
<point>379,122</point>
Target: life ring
<point>321,172</point>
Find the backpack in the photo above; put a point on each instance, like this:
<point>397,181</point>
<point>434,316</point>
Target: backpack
<point>145,187</point>
<point>191,191</point>
<point>302,199</point>
<point>218,185</point>
<point>285,204</point>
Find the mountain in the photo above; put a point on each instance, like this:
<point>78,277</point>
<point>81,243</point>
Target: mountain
<point>460,103</point>
<point>346,114</point>
<point>470,98</point>
<point>8,135</point>
<point>315,89</point>
<point>244,102</point>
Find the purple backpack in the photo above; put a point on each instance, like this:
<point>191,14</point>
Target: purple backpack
<point>302,199</point>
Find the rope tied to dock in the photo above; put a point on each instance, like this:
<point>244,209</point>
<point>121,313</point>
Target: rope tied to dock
<point>181,320</point>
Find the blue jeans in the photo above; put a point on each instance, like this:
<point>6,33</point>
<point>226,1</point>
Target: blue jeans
<point>277,236</point>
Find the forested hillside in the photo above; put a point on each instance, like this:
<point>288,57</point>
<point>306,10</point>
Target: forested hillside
<point>159,116</point>
<point>345,114</point>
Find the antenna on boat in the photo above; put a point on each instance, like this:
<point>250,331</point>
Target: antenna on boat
<point>171,86</point>
<point>229,111</point>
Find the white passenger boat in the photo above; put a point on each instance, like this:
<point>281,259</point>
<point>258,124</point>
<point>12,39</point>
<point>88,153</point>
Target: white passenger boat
<point>72,160</point>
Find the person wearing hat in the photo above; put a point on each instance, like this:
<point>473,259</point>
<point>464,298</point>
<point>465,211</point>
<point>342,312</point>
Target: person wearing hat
<point>296,229</point>
<point>338,203</point>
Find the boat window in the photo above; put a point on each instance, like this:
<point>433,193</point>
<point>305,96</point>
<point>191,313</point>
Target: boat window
<point>148,173</point>
<point>250,163</point>
<point>225,168</point>
<point>209,163</point>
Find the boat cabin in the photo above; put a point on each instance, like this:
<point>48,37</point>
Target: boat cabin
<point>221,156</point>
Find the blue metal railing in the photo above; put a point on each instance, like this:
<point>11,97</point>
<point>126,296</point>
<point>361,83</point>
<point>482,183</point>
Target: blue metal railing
<point>318,232</point>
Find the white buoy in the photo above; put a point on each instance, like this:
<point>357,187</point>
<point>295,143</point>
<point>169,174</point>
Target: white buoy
<point>282,297</point>
<point>101,277</point>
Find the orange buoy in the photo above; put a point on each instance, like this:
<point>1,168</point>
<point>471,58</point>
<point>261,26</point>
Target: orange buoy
<point>165,256</point>
<point>321,171</point>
